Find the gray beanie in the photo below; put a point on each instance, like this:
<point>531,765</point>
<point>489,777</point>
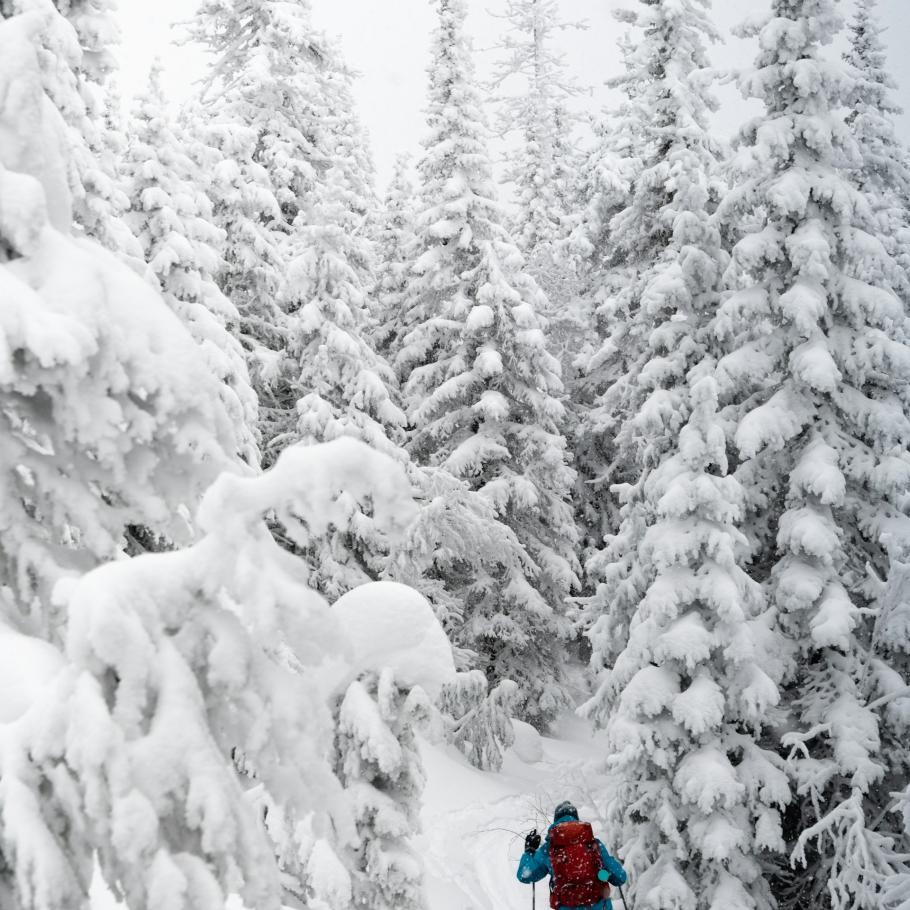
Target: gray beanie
<point>565,810</point>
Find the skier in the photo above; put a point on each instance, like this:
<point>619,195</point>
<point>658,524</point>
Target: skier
<point>580,868</point>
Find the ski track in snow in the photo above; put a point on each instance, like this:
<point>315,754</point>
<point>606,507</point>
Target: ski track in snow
<point>470,851</point>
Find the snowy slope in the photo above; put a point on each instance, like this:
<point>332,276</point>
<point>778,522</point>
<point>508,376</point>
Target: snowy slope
<point>474,821</point>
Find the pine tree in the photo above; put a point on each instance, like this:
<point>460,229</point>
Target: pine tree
<point>544,169</point>
<point>78,66</point>
<point>659,317</point>
<point>380,769</point>
<point>400,659</point>
<point>679,631</point>
<point>479,719</point>
<point>249,140</point>
<point>884,175</point>
<point>265,77</point>
<point>816,375</point>
<point>394,241</point>
<point>277,115</point>
<point>348,145</point>
<point>95,22</point>
<point>695,799</point>
<point>483,389</point>
<point>456,549</point>
<point>110,420</point>
<point>99,201</point>
<point>603,270</point>
<point>885,864</point>
<point>339,386</point>
<point>193,681</point>
<point>172,219</point>
<point>245,208</point>
<point>537,111</point>
<point>607,173</point>
<point>885,178</point>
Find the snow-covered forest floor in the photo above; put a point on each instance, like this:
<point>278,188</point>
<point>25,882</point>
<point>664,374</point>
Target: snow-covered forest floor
<point>474,821</point>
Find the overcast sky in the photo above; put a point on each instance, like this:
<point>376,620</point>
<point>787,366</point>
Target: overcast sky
<point>387,42</point>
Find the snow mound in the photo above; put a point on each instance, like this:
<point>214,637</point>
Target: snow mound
<point>389,625</point>
<point>27,664</point>
<point>528,745</point>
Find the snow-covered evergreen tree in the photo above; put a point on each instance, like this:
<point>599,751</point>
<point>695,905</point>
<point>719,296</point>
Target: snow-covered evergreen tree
<point>455,553</point>
<point>885,179</point>
<point>816,373</point>
<point>884,174</point>
<point>394,242</point>
<point>99,200</point>
<point>401,659</point>
<point>679,631</point>
<point>77,63</point>
<point>348,147</point>
<point>881,871</point>
<point>245,208</point>
<point>603,271</point>
<point>264,77</point>
<point>544,169</point>
<point>479,719</point>
<point>179,668</point>
<point>100,203</point>
<point>380,769</point>
<point>608,170</point>
<point>536,109</point>
<point>172,219</point>
<point>482,389</point>
<point>250,141</point>
<point>696,800</point>
<point>110,419</point>
<point>277,115</point>
<point>896,888</point>
<point>340,386</point>
<point>337,384</point>
<point>659,317</point>
<point>95,22</point>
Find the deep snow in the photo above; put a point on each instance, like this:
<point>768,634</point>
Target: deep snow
<point>474,821</point>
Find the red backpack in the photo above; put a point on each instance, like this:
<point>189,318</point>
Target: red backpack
<point>575,858</point>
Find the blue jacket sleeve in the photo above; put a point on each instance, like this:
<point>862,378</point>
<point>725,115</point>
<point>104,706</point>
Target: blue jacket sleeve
<point>532,867</point>
<point>613,866</point>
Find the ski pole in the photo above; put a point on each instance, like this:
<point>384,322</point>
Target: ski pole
<point>533,895</point>
<point>623,898</point>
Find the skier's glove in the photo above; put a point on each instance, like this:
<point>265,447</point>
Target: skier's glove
<point>532,842</point>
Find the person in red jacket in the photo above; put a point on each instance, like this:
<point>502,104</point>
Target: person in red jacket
<point>580,868</point>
